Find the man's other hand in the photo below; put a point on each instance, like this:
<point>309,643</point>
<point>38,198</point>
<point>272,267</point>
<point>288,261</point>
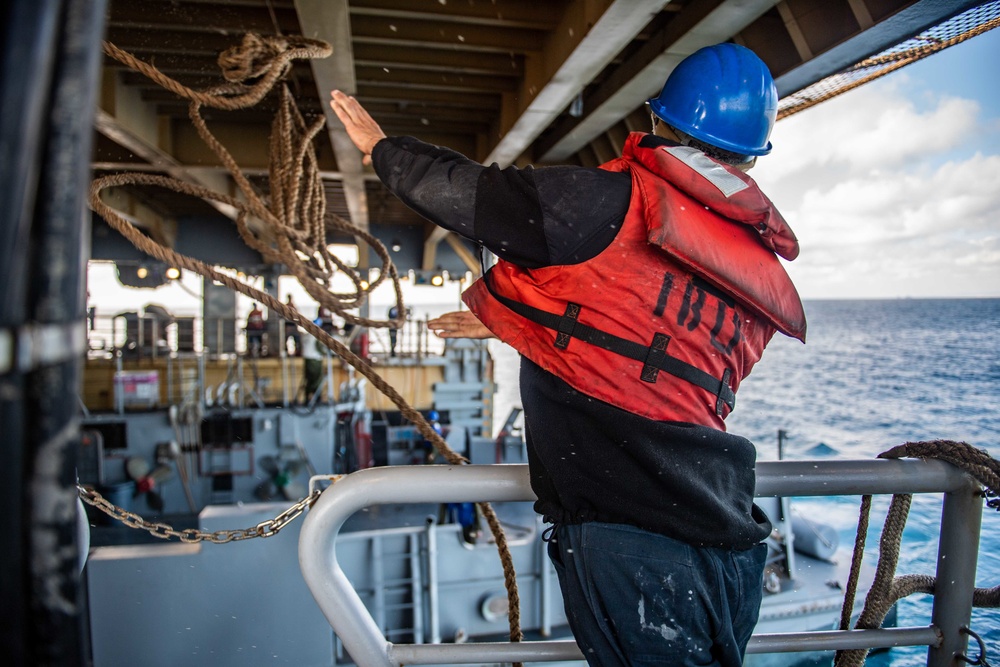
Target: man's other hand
<point>459,324</point>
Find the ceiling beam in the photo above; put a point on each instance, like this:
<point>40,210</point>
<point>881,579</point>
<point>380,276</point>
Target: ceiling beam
<point>442,35</point>
<point>700,23</point>
<point>502,65</point>
<point>520,14</point>
<point>161,161</point>
<point>431,241</point>
<point>578,50</point>
<point>247,171</point>
<point>161,229</point>
<point>329,20</point>
<point>468,257</point>
<point>198,17</point>
<point>415,78</point>
<point>795,32</point>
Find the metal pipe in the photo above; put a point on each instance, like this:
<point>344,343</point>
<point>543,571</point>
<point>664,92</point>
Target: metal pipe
<point>433,597</point>
<point>170,379</point>
<point>241,398</point>
<point>836,640</point>
<point>482,653</point>
<point>139,343</point>
<point>545,582</point>
<point>378,581</point>
<point>57,61</point>
<point>201,380</point>
<point>363,639</point>
<point>855,477</point>
<point>550,651</point>
<point>331,397</point>
<point>329,585</point>
<point>30,31</point>
<point>119,385</point>
<point>284,364</point>
<point>416,588</point>
<point>958,551</point>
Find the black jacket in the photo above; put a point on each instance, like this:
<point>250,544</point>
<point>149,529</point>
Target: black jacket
<point>589,461</point>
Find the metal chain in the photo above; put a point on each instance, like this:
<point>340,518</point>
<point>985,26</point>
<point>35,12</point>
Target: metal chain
<point>193,535</point>
<point>981,660</point>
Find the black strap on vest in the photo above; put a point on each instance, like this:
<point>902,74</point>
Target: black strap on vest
<point>654,357</point>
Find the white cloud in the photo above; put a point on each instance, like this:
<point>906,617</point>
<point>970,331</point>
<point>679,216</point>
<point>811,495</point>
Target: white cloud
<point>888,199</point>
<point>873,127</point>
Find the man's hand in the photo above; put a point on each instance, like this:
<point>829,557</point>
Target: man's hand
<point>459,324</point>
<point>360,126</point>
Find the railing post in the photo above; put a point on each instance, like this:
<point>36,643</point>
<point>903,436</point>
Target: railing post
<point>545,582</point>
<point>284,363</point>
<point>119,384</point>
<point>417,587</point>
<point>432,583</point>
<point>201,380</point>
<point>958,551</point>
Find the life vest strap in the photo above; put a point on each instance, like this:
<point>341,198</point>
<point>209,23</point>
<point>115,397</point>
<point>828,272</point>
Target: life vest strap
<point>654,357</point>
<point>567,324</point>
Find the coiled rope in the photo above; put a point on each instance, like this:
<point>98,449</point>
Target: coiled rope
<point>887,589</point>
<point>295,217</point>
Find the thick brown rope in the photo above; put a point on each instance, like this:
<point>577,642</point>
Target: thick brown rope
<point>296,217</point>
<point>265,58</point>
<point>859,548</point>
<point>886,588</point>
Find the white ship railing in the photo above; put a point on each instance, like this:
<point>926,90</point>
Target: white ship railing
<point>956,565</point>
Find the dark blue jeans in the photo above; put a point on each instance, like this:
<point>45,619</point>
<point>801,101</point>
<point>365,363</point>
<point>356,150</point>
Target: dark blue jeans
<point>638,598</point>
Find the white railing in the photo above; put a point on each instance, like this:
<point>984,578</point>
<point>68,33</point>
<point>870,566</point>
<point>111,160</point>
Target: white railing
<point>145,336</point>
<point>368,646</point>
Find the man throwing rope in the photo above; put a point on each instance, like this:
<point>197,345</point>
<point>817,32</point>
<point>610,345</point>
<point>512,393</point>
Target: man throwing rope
<point>639,295</point>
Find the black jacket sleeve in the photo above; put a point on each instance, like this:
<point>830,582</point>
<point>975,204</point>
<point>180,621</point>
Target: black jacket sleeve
<point>531,217</point>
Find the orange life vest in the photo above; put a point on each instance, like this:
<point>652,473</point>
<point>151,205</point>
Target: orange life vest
<point>668,319</point>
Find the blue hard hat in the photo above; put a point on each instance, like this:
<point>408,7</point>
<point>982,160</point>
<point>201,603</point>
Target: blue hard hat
<point>433,415</point>
<point>722,95</point>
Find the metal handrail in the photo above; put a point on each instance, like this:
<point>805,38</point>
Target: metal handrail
<point>368,646</point>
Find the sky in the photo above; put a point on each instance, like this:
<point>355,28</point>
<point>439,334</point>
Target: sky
<point>893,189</point>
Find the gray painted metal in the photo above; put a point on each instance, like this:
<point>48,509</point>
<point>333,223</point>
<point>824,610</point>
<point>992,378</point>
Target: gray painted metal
<point>364,640</point>
<point>830,640</point>
<point>621,21</point>
<point>192,604</point>
<point>958,552</point>
<point>318,560</point>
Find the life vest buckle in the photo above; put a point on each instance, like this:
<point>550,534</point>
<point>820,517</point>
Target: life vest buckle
<point>654,358</point>
<point>567,323</point>
<point>725,395</point>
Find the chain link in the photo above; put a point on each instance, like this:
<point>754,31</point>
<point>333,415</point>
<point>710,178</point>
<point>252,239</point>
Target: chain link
<point>193,535</point>
<point>981,660</point>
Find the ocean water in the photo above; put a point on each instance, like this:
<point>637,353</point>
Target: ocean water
<point>875,374</point>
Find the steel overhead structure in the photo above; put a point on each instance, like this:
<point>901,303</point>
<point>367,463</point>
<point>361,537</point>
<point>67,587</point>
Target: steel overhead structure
<point>699,23</point>
<point>506,81</point>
